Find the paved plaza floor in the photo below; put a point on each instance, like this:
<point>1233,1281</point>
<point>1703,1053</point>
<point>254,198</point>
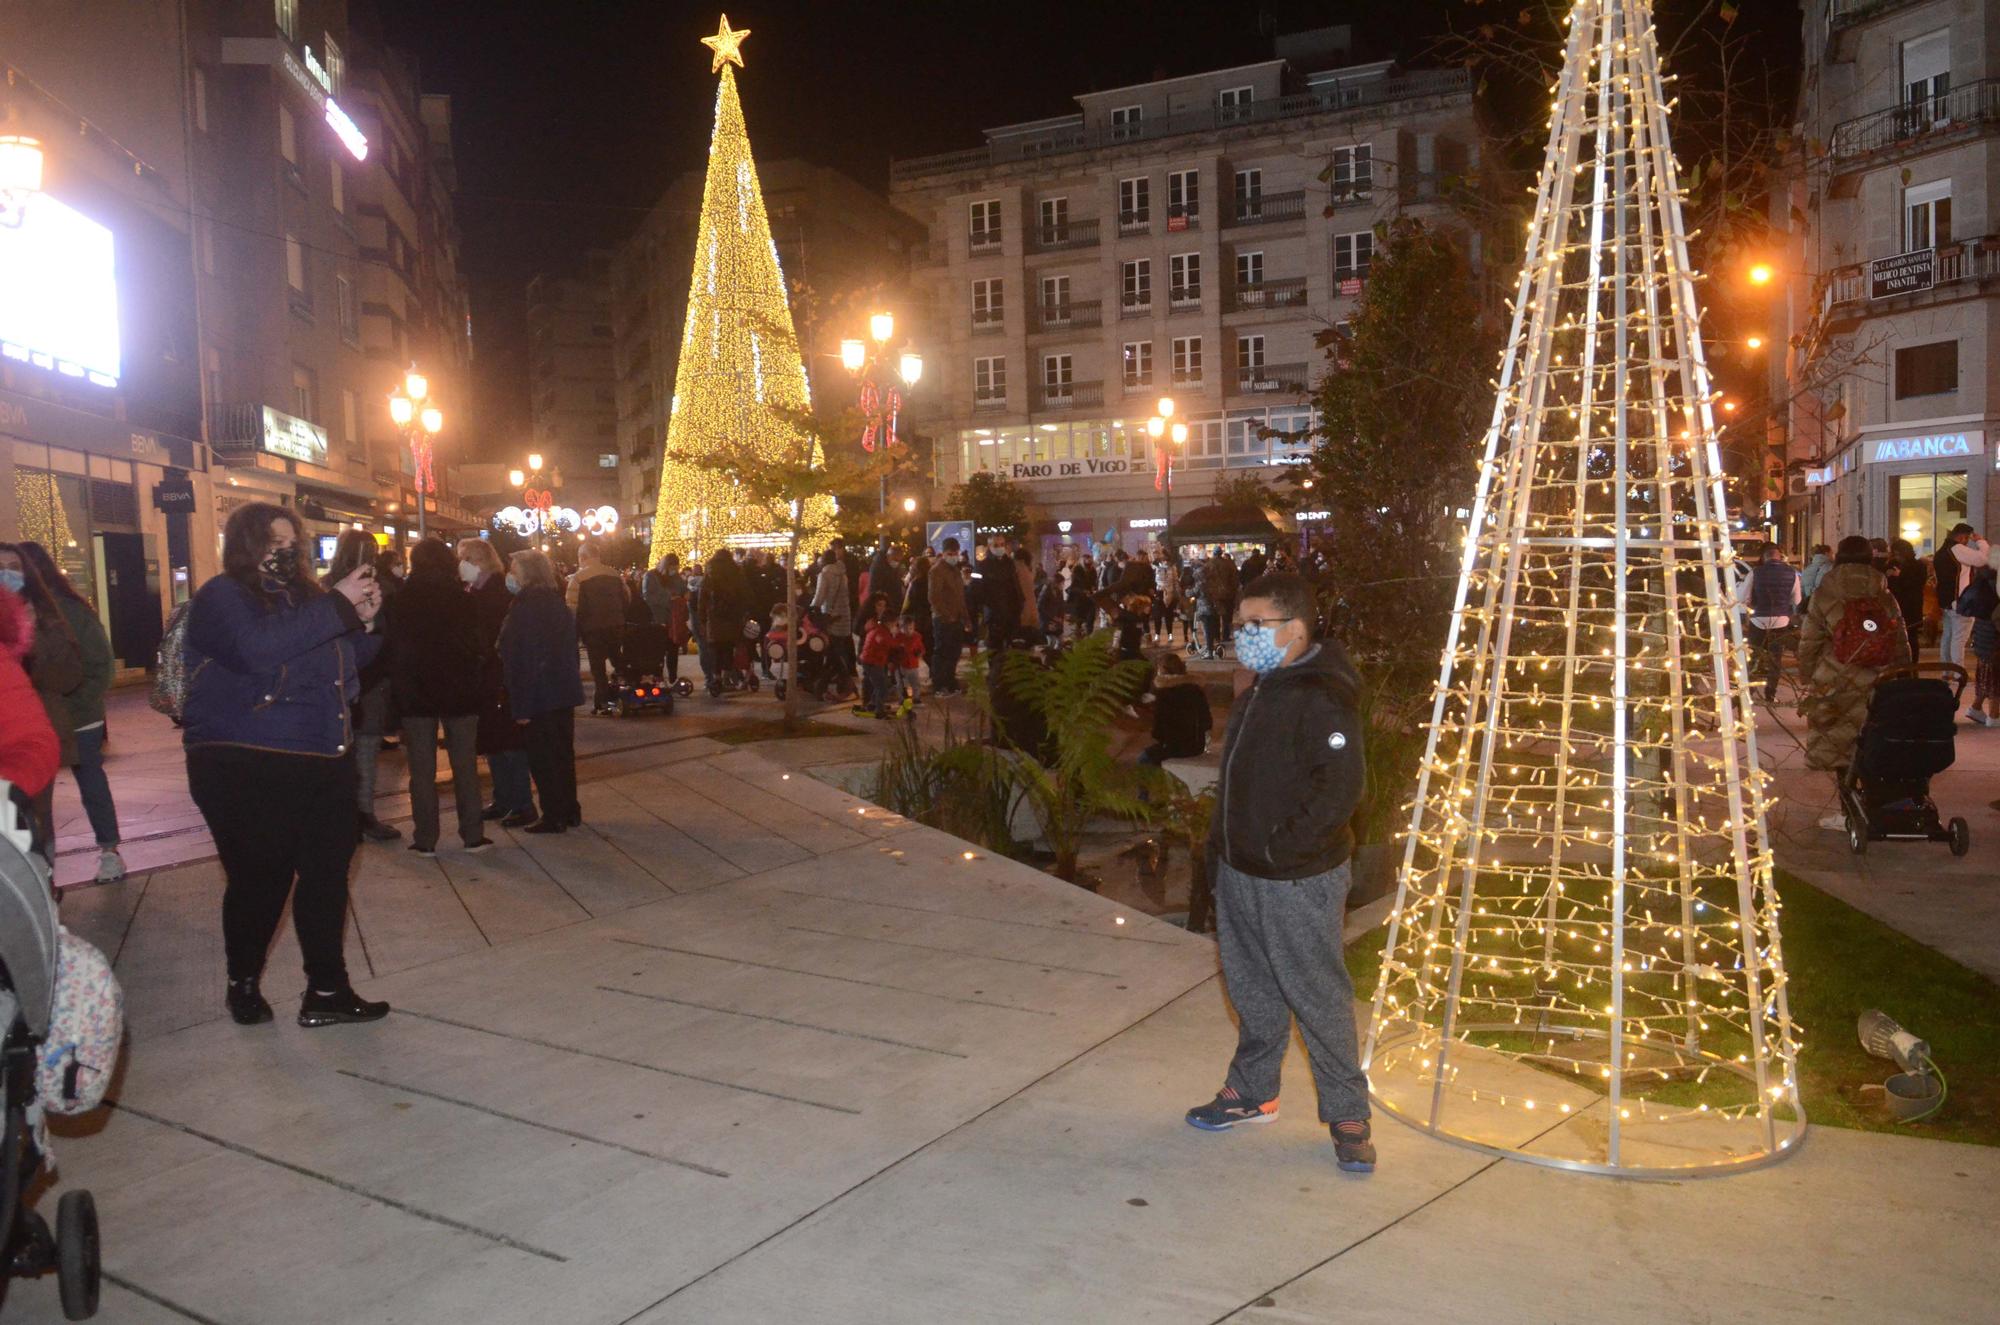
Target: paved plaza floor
<point>747,1049</point>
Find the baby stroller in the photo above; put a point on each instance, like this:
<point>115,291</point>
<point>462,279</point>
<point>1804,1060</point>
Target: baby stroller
<point>734,664</point>
<point>1907,739</point>
<point>28,948</point>
<point>819,676</point>
<point>641,664</point>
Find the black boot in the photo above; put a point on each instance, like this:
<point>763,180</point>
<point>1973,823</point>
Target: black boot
<point>343,1005</point>
<point>247,1004</point>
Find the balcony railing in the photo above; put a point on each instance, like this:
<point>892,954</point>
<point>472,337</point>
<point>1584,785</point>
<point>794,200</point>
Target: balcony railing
<point>1136,306</point>
<point>988,320</point>
<point>1258,378</point>
<point>1069,395</point>
<point>1183,218</point>
<point>989,400</point>
<point>1844,293</point>
<point>1184,299</point>
<point>236,427</point>
<point>1138,381</point>
<point>1057,236</point>
<point>1914,124</point>
<point>1268,208</point>
<point>1070,134</point>
<point>1135,223</point>
<point>1188,376</point>
<point>1270,294</point>
<point>1352,193</point>
<point>1068,316</point>
<point>984,241</point>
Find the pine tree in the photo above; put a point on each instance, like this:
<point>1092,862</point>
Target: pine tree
<point>1585,922</point>
<point>740,388</point>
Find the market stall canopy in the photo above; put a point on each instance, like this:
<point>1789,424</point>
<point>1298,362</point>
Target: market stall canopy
<point>1226,524</point>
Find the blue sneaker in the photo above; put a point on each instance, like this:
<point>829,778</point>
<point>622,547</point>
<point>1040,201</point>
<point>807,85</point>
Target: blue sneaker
<point>1352,1149</point>
<point>1230,1109</point>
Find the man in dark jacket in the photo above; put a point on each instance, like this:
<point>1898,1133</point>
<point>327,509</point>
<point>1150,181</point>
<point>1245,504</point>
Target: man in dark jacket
<point>948,618</point>
<point>999,593</point>
<point>435,676</point>
<point>597,595</point>
<point>1278,849</point>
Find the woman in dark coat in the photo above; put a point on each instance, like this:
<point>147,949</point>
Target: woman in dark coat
<point>485,579</point>
<point>725,607</point>
<point>434,675</point>
<point>271,663</point>
<point>538,661</point>
<point>1908,574</point>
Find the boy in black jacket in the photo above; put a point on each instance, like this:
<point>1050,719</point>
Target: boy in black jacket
<point>1278,853</point>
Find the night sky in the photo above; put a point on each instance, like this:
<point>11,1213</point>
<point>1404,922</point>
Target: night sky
<point>572,116</point>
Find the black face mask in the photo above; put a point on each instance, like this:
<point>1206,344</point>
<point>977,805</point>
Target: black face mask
<point>281,563</point>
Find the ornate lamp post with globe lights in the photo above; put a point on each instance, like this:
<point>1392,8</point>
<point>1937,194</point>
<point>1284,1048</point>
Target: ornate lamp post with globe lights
<point>1169,436</point>
<point>412,410</point>
<point>538,515</point>
<point>881,401</point>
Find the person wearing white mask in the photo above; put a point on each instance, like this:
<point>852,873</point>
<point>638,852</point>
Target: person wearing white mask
<point>948,618</point>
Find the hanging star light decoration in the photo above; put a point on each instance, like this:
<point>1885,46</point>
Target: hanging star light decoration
<point>727,43</point>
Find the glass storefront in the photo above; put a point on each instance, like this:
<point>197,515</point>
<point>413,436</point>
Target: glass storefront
<point>1235,440</point>
<point>55,512</point>
<point>1928,505</point>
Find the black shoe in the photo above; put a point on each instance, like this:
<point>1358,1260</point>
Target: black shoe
<point>493,812</point>
<point>343,1005</point>
<point>519,819</point>
<point>423,850</point>
<point>247,1003</point>
<point>376,831</point>
<point>547,824</point>
<point>484,844</point>
<point>1352,1149</point>
<point>576,820</point>
<point>1229,1109</point>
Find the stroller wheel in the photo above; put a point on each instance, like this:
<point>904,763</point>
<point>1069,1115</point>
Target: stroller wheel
<point>778,689</point>
<point>750,679</point>
<point>684,687</point>
<point>1961,837</point>
<point>1857,835</point>
<point>77,1255</point>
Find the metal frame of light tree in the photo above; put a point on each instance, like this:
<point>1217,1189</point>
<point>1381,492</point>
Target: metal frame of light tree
<point>1539,555</point>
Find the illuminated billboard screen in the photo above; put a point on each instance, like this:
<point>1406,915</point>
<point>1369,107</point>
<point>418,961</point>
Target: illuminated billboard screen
<point>59,292</point>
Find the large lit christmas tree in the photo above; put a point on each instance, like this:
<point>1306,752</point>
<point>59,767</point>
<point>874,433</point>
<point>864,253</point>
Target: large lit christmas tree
<point>1583,966</point>
<point>741,382</point>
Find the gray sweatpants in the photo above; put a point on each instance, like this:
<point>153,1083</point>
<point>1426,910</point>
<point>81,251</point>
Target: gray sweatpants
<point>1281,958</point>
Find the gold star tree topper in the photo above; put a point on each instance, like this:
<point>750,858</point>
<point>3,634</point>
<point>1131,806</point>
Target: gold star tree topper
<point>727,43</point>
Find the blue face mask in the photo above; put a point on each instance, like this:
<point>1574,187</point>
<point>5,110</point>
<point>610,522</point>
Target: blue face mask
<point>1257,648</point>
<point>13,579</point>
<point>513,584</point>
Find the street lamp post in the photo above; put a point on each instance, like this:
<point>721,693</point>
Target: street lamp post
<point>1168,438</point>
<point>412,410</point>
<point>879,407</point>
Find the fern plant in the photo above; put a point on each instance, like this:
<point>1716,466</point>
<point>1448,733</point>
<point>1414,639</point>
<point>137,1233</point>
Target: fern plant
<point>1073,777</point>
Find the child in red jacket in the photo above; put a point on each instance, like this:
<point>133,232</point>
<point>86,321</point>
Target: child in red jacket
<point>29,751</point>
<point>909,644</point>
<point>879,653</point>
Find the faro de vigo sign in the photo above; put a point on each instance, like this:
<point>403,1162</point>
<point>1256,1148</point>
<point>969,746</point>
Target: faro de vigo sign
<point>1026,471</point>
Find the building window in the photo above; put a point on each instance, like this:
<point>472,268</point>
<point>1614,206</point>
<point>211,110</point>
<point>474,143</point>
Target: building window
<point>1351,256</point>
<point>1187,360</point>
<point>1055,300</point>
<point>1233,103</point>
<point>1057,378</point>
<point>1353,171</point>
<point>985,231</point>
<point>338,179</point>
<point>989,381</point>
<point>1138,363</point>
<point>1249,270</point>
<point>1135,203</point>
<point>304,391</point>
<point>350,309</point>
<point>608,460</point>
<point>288,136</point>
<point>1183,197</point>
<point>335,66</point>
<point>288,18</point>
<point>1249,194</point>
<point>1927,216</point>
<point>1055,220</point>
<point>1127,122</point>
<point>1926,64</point>
<point>1250,356</point>
<point>1136,286</point>
<point>988,308</point>
<point>200,99</point>
<point>1927,370</point>
<point>295,264</point>
<point>350,421</point>
<point>1184,280</point>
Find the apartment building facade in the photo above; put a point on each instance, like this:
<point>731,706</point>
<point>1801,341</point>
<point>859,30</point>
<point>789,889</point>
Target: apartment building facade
<point>1185,238</point>
<point>1889,387</point>
<point>833,235</point>
<point>571,379</point>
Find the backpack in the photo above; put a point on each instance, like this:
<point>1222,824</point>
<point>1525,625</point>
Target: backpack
<point>170,677</point>
<point>1865,635</point>
<point>76,1060</point>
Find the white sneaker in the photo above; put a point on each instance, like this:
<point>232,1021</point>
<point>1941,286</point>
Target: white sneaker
<point>1837,822</point>
<point>1979,716</point>
<point>110,866</point>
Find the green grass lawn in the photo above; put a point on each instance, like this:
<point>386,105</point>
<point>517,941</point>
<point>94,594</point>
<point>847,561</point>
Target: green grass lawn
<point>1842,962</point>
<point>773,729</point>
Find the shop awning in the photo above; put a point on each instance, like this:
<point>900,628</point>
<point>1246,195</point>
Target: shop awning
<point>1226,524</point>
<point>318,501</point>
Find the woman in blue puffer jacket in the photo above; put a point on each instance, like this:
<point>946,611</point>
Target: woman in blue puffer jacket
<point>271,665</point>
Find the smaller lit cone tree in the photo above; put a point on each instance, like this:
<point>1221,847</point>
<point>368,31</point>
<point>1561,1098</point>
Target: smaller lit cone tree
<point>1583,967</point>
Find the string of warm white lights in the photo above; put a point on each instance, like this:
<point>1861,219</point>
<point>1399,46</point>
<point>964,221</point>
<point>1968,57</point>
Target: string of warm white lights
<point>1584,921</point>
<point>740,381</point>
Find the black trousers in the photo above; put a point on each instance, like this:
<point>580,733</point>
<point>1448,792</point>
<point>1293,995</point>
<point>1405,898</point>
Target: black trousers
<point>550,739</point>
<point>279,820</point>
<point>600,645</point>
<point>461,740</point>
